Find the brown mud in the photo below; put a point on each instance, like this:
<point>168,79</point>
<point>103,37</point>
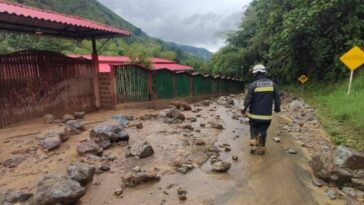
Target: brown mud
<point>276,178</point>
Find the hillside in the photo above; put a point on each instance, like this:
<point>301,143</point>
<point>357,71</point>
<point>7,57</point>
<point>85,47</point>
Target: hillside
<point>139,44</point>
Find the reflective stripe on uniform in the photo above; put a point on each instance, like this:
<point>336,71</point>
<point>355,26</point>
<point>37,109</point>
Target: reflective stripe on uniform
<point>260,117</point>
<point>263,89</point>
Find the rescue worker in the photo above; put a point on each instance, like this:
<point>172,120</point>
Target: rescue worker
<point>262,92</point>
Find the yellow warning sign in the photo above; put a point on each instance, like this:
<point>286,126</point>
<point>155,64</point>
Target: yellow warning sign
<point>354,58</point>
<point>303,79</point>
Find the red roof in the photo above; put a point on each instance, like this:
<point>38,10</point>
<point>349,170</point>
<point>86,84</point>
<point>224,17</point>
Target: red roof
<point>172,67</point>
<point>17,17</point>
<point>157,63</point>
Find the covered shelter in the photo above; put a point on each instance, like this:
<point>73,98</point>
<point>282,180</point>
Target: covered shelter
<point>29,20</point>
<point>36,82</point>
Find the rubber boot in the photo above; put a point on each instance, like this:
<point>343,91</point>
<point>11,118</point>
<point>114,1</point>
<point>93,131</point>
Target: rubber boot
<point>260,150</point>
<point>253,146</point>
<point>253,142</point>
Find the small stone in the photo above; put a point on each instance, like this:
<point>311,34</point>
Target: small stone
<point>79,115</point>
<point>182,194</point>
<point>227,149</point>
<point>221,166</point>
<point>292,151</point>
<point>139,126</point>
<point>235,158</point>
<point>135,178</point>
<point>317,182</point>
<point>51,143</point>
<point>118,192</point>
<point>136,169</point>
<point>331,194</point>
<point>89,147</point>
<point>142,149</point>
<point>48,118</point>
<point>104,167</point>
<point>277,139</point>
<point>81,172</point>
<point>67,117</point>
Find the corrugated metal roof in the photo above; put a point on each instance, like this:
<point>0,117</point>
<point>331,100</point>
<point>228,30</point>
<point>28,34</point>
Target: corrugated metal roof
<point>172,66</point>
<point>20,18</point>
<point>157,63</point>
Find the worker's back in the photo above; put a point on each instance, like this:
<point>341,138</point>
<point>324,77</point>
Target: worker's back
<point>261,94</point>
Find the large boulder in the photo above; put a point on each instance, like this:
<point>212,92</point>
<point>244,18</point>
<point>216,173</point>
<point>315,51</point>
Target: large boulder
<point>338,166</point>
<point>88,147</point>
<point>106,133</point>
<point>57,190</point>
<point>141,149</point>
<point>348,158</point>
<point>81,172</point>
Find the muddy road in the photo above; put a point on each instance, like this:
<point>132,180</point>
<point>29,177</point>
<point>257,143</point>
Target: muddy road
<point>276,178</point>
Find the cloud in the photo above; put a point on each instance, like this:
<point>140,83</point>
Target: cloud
<point>195,23</point>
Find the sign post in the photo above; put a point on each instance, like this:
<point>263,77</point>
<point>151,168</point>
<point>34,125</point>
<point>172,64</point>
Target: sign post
<point>303,79</point>
<point>353,59</point>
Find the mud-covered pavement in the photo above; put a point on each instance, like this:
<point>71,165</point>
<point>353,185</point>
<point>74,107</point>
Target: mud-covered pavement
<point>276,178</point>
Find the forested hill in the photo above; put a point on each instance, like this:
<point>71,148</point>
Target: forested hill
<point>294,37</point>
<point>139,44</point>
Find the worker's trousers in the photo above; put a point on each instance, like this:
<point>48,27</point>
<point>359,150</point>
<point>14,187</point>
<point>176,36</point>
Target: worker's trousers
<point>258,130</point>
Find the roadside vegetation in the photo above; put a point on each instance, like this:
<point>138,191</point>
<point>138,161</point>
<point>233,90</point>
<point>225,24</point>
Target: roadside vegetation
<point>295,37</point>
<point>340,114</point>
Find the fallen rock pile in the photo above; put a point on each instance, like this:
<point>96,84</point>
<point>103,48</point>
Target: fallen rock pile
<point>343,167</point>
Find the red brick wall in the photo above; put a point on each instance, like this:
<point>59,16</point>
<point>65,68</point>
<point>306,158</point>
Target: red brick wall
<point>107,90</point>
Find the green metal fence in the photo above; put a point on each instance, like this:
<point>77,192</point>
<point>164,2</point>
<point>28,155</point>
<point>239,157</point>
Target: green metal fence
<point>163,84</point>
<point>131,83</point>
<point>136,83</point>
<point>182,85</point>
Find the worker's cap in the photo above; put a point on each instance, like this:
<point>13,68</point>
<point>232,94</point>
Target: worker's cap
<point>259,68</point>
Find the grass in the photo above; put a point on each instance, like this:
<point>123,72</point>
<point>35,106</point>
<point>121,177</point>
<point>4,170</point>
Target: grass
<point>341,115</point>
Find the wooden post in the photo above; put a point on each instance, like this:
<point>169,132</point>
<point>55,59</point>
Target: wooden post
<point>95,61</point>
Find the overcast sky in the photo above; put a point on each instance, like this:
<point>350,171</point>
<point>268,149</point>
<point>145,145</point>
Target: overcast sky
<point>191,22</point>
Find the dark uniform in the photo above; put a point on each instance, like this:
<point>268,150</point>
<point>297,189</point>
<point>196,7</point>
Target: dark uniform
<point>259,99</point>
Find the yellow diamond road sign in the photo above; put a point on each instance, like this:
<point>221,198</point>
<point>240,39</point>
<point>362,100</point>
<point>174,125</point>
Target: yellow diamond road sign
<point>303,79</point>
<point>354,58</point>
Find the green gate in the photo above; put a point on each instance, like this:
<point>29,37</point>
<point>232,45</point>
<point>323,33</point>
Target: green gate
<point>163,85</point>
<point>131,83</point>
<point>182,85</point>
